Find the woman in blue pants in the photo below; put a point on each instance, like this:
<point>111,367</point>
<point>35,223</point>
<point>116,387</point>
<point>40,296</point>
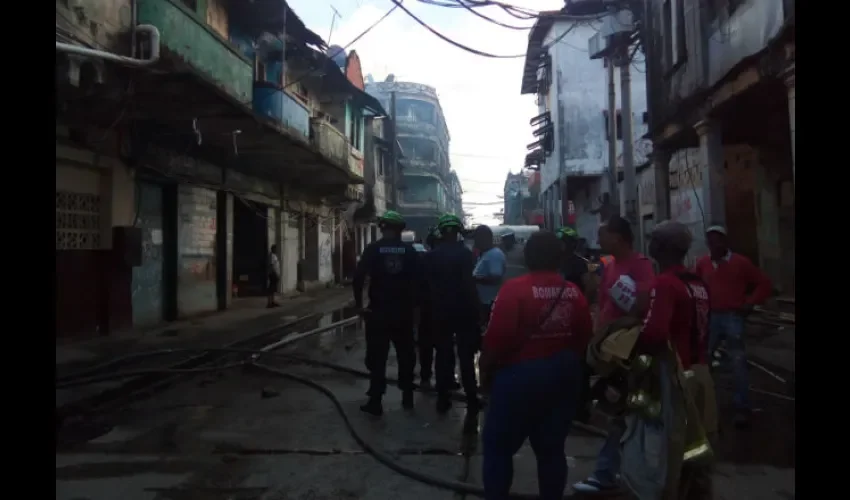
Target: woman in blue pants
<point>533,352</point>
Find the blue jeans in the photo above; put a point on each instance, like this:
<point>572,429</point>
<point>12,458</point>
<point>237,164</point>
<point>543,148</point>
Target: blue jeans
<point>536,400</point>
<point>730,326</point>
<point>608,461</point>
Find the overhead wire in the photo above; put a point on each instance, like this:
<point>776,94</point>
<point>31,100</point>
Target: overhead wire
<point>450,41</point>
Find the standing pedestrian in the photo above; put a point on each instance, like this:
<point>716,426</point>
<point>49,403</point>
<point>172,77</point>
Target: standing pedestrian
<point>533,352</point>
<point>425,331</point>
<point>273,272</point>
<point>455,303</point>
<point>489,270</point>
<point>729,276</point>
<point>391,265</point>
<point>678,316</point>
<point>616,239</point>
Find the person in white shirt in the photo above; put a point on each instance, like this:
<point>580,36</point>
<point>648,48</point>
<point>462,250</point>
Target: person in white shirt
<point>274,276</point>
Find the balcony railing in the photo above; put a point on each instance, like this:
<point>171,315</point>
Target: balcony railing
<point>187,36</point>
<point>271,101</point>
<point>333,144</point>
<point>412,123</point>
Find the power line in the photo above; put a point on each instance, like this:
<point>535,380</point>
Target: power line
<point>449,40</point>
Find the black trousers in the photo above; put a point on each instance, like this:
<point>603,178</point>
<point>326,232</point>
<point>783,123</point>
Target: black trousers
<point>426,345</point>
<point>461,330</point>
<point>382,329</point>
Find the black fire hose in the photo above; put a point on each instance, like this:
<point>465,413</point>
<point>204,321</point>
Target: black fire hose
<point>384,458</point>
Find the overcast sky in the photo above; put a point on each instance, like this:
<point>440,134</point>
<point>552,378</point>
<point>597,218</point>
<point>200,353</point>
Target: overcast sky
<point>487,117</point>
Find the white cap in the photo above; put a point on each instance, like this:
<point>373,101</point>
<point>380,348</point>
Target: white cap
<point>716,229</point>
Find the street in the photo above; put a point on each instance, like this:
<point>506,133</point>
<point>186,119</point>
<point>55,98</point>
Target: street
<point>244,434</point>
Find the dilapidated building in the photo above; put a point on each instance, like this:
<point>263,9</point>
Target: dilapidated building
<point>190,138</point>
<point>721,87</point>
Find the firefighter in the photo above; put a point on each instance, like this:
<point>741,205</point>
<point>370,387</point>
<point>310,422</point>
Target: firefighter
<point>391,266</point>
<point>574,268</point>
<point>455,302</point>
<point>425,330</point>
<point>678,318</point>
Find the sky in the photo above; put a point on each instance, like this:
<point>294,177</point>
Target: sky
<point>488,119</point>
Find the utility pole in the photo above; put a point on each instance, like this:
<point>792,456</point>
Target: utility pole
<point>393,155</point>
<point>614,192</point>
<point>629,174</point>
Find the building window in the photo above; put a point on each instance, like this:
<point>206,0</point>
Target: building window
<point>619,124</point>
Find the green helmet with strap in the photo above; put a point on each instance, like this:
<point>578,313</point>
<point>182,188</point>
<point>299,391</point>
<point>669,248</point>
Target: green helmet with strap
<point>448,221</point>
<point>566,233</point>
<point>391,218</point>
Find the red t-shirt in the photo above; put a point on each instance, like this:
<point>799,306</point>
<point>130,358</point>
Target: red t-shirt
<point>671,315</point>
<point>729,280</point>
<point>638,267</point>
<point>515,332</point>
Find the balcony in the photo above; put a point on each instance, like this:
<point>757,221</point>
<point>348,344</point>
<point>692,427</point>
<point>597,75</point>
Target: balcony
<point>269,100</point>
<point>355,162</point>
<point>335,146</point>
<point>411,123</point>
<point>188,38</point>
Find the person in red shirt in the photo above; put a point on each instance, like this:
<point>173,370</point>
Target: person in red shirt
<point>730,276</point>
<point>616,239</point>
<point>678,315</point>
<point>533,351</point>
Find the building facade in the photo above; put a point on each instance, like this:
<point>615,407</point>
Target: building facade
<point>571,128</point>
<point>425,186</point>
<point>722,91</point>
<point>173,184</point>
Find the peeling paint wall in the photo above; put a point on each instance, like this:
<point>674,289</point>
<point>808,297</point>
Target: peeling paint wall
<point>326,271</point>
<point>578,97</point>
<point>196,252</point>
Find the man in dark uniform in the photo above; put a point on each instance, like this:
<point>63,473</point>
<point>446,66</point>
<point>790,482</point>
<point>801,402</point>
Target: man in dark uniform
<point>391,266</point>
<point>455,302</point>
<point>425,331</point>
<point>574,268</point>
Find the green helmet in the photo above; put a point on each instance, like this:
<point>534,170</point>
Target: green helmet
<point>566,232</point>
<point>391,218</point>
<point>449,220</point>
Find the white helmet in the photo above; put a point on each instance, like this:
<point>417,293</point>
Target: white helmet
<point>624,292</point>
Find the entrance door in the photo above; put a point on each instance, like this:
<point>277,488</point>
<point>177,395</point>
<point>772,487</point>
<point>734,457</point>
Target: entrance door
<point>148,288</point>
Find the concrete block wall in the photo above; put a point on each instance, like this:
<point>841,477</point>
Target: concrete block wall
<point>196,250</point>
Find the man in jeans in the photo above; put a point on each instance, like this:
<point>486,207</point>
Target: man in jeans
<point>729,277</point>
<point>616,239</point>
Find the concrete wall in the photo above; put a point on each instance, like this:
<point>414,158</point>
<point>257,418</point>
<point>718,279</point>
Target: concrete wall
<point>196,251</point>
<point>291,251</point>
<point>577,98</point>
<point>326,240</point>
<point>78,171</point>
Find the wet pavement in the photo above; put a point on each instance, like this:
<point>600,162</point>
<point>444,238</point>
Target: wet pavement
<point>243,434</point>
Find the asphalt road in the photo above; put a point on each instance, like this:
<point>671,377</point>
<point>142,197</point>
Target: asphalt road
<point>241,435</point>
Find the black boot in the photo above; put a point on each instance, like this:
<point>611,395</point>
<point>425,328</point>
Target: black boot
<point>444,403</point>
<point>373,407</point>
<point>407,400</point>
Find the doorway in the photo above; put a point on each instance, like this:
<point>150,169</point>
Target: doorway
<point>250,248</point>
